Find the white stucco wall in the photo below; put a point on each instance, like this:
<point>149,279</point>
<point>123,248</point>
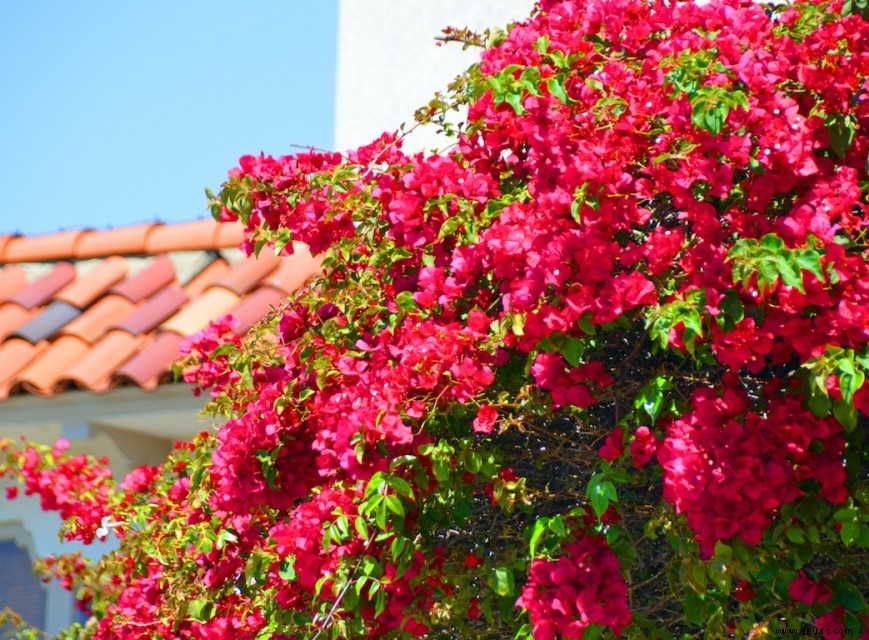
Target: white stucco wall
<point>389,66</point>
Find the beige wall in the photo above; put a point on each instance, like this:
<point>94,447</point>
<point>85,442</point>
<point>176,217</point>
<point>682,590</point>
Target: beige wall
<point>388,64</point>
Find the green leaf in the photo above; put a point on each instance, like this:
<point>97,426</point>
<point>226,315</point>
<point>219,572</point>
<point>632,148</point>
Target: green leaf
<point>405,301</point>
<point>519,324</point>
<point>556,526</point>
<point>819,405</point>
<point>601,492</point>
<point>693,606</point>
<point>530,79</point>
<point>732,305</point>
<point>362,527</point>
<point>201,610</point>
<point>810,260</point>
<point>790,274</point>
<point>515,101</point>
<point>327,537</point>
<point>850,532</point>
<point>841,129</point>
<point>394,505</point>
<point>281,242</point>
<point>380,516</point>
<point>556,88</point>
<point>287,569</point>
<point>541,45</point>
<point>473,462</point>
<point>850,383</point>
<point>379,603</point>
<point>374,485</point>
<point>223,350</point>
<point>795,535</point>
<point>768,269</point>
<point>846,414</point>
<point>537,532</point>
<point>651,401</point>
<point>401,487</point>
<point>501,581</point>
<point>772,243</point>
<point>572,351</point>
<point>847,595</point>
<point>448,228</point>
<point>593,632</point>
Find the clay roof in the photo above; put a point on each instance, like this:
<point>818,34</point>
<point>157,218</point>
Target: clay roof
<point>98,309</point>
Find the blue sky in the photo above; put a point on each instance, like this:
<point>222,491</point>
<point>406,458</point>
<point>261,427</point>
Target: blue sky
<point>117,112</point>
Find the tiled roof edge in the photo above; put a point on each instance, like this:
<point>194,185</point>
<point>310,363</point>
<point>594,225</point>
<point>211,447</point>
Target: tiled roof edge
<point>146,239</point>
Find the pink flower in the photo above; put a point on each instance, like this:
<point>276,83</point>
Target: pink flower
<point>831,623</point>
<point>582,587</point>
<point>644,446</point>
<point>60,447</point>
<point>613,446</point>
<point>485,420</point>
<point>804,590</point>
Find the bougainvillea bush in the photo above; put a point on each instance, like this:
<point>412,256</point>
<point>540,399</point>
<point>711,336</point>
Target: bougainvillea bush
<point>597,369</point>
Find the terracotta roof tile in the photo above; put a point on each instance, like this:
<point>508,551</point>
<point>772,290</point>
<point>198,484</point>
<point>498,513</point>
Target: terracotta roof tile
<point>96,309</point>
<point>44,375</point>
<point>94,370</point>
<point>87,288</point>
<point>148,281</point>
<point>187,236</point>
<point>294,271</point>
<point>152,362</point>
<point>245,275</point>
<point>46,323</point>
<point>4,242</point>
<point>228,235</point>
<point>39,292</point>
<point>13,316</point>
<point>155,311</point>
<point>206,278</point>
<point>125,240</point>
<point>12,280</point>
<point>54,246</point>
<point>106,312</point>
<point>211,305</point>
<point>254,307</point>
<point>15,354</point>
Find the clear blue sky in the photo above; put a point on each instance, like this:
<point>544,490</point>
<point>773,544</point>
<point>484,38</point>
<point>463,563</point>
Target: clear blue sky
<point>114,112</point>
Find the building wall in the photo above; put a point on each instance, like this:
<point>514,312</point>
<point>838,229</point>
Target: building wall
<point>24,594</point>
<point>389,66</point>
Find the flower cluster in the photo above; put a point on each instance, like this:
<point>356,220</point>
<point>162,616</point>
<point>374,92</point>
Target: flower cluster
<point>74,486</point>
<point>729,469</point>
<point>582,587</point>
<point>203,368</point>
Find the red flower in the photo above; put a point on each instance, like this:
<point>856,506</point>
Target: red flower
<point>485,420</point>
<point>614,445</point>
<point>644,446</point>
<point>804,590</point>
<point>743,591</point>
<point>580,588</point>
<point>472,561</point>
